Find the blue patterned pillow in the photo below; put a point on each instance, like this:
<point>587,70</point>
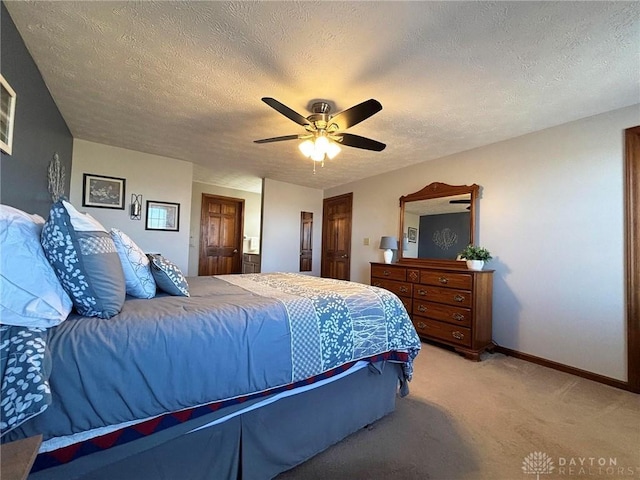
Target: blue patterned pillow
<point>168,276</point>
<point>135,264</point>
<point>25,361</point>
<point>85,260</point>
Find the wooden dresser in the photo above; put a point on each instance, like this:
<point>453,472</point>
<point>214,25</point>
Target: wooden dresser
<point>450,306</point>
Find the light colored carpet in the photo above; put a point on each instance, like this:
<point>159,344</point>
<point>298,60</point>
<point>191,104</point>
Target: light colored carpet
<point>476,421</point>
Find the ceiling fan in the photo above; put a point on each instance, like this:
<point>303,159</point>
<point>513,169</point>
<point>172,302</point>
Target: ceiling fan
<point>325,132</point>
<point>464,201</point>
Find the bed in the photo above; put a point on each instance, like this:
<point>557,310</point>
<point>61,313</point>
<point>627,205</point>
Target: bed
<point>247,377</point>
<point>129,370</point>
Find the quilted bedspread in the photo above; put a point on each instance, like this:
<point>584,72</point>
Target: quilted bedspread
<point>235,335</point>
<point>333,322</point>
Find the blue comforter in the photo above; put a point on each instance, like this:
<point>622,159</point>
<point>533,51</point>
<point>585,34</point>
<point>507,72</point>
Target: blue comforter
<point>234,335</point>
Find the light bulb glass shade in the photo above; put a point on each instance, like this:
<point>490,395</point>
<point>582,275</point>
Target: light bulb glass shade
<point>317,156</point>
<point>307,147</point>
<point>333,149</point>
<point>389,243</point>
<point>320,148</point>
<point>322,144</point>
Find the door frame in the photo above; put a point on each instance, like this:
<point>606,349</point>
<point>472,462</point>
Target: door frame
<point>632,244</point>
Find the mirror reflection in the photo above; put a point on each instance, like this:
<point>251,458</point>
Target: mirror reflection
<point>437,227</point>
<point>437,222</point>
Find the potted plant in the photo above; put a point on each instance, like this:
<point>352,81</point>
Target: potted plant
<point>475,256</point>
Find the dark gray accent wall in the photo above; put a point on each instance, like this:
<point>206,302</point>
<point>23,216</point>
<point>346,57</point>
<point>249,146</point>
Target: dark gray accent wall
<point>39,129</point>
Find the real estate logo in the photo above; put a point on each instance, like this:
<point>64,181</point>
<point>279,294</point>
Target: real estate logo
<point>537,463</point>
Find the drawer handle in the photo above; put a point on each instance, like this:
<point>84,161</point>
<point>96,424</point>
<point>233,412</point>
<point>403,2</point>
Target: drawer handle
<point>377,284</point>
<point>443,280</point>
<point>421,325</point>
<point>422,292</point>
<point>458,335</point>
<point>386,273</point>
<point>459,298</point>
<point>458,316</point>
<point>422,308</point>
<point>404,289</point>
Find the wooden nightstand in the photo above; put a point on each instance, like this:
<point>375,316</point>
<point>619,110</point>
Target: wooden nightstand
<point>16,458</point>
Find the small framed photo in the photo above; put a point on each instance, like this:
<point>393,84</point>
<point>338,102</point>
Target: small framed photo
<point>103,192</point>
<point>7,115</point>
<point>163,216</point>
<point>412,234</point>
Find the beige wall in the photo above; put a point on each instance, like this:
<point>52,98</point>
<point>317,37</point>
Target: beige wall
<point>282,204</point>
<point>155,177</point>
<point>551,213</point>
<point>252,208</point>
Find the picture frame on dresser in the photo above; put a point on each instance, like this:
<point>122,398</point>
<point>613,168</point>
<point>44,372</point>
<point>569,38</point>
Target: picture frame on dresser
<point>412,234</point>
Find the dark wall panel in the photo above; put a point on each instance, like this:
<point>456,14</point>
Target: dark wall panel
<point>39,129</point>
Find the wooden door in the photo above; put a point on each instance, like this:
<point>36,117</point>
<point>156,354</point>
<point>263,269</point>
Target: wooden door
<point>336,237</point>
<point>306,243</point>
<point>220,235</point>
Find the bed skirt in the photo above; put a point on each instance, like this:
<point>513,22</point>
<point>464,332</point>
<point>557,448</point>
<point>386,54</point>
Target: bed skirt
<point>255,445</point>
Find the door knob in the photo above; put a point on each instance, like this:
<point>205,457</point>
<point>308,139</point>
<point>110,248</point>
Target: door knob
<point>235,250</point>
<point>345,256</point>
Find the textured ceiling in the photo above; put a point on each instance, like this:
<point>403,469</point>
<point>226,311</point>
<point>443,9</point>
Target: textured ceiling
<point>184,79</point>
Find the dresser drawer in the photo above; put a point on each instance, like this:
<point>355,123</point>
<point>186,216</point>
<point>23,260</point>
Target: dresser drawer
<point>443,331</point>
<point>446,313</point>
<point>450,296</point>
<point>391,273</point>
<point>402,289</point>
<point>446,279</point>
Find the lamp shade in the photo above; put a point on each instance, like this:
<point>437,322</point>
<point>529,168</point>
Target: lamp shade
<point>389,243</point>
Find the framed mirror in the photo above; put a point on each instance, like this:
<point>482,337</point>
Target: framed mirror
<point>436,223</point>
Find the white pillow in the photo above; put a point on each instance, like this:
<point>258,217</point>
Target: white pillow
<point>137,272</point>
<point>30,293</point>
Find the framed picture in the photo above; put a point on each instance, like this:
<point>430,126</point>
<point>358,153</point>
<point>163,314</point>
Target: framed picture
<point>163,216</point>
<point>7,115</point>
<point>412,234</point>
<point>103,192</point>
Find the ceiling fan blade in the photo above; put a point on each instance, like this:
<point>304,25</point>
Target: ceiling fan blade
<point>357,141</point>
<point>286,111</point>
<point>356,114</point>
<point>277,139</point>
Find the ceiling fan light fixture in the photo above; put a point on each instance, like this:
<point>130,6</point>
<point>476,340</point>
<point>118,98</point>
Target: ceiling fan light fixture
<point>317,156</point>
<point>323,138</point>
<point>319,149</point>
<point>322,144</point>
<point>333,149</point>
<point>307,148</point>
